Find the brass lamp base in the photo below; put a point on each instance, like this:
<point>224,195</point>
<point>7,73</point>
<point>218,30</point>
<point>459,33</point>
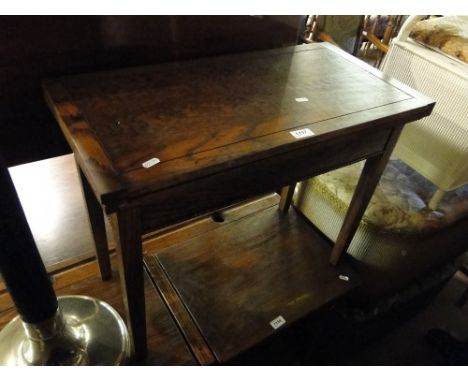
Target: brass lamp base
<point>84,331</point>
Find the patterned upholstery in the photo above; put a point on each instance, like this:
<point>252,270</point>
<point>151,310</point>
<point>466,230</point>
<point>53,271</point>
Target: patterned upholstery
<point>399,203</point>
<point>399,237</point>
<point>448,34</point>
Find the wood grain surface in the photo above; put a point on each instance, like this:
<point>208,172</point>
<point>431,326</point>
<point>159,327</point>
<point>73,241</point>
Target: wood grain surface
<point>201,195</point>
<point>36,47</point>
<point>197,228</point>
<point>202,116</point>
<point>236,279</point>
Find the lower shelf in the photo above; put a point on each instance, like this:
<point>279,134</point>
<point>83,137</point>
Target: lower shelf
<point>245,280</point>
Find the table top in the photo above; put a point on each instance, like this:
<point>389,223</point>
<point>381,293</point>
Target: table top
<point>202,116</point>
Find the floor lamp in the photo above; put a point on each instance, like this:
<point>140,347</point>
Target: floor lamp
<point>70,330</point>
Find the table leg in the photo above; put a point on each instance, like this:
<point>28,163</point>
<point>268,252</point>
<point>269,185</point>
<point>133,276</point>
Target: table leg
<point>287,194</point>
<point>365,188</point>
<point>98,227</point>
<point>127,230</point>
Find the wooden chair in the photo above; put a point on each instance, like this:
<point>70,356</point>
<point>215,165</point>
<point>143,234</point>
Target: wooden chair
<point>342,31</point>
<point>377,32</point>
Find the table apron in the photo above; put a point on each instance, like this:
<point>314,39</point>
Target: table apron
<point>219,190</point>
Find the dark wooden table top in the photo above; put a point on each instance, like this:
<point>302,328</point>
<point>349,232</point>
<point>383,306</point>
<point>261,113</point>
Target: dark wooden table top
<point>202,116</point>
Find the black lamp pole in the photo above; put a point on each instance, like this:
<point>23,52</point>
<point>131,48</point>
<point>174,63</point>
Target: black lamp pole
<point>20,263</point>
<point>71,330</point>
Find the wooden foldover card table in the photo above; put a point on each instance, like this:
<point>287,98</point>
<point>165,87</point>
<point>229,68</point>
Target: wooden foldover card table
<point>157,145</point>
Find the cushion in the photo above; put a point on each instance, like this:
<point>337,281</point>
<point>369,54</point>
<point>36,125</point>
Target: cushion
<point>448,34</point>
<point>400,202</point>
<point>399,239</point>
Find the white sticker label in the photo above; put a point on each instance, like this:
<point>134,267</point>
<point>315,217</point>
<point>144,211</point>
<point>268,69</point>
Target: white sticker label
<point>277,322</point>
<point>150,163</point>
<point>303,133</point>
<point>302,99</point>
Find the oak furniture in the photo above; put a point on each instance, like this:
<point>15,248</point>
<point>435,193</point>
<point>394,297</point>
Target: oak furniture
<point>160,144</point>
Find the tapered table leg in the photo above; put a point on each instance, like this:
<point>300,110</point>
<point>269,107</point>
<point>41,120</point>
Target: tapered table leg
<point>98,227</point>
<point>287,193</point>
<point>365,188</point>
<point>126,224</point>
